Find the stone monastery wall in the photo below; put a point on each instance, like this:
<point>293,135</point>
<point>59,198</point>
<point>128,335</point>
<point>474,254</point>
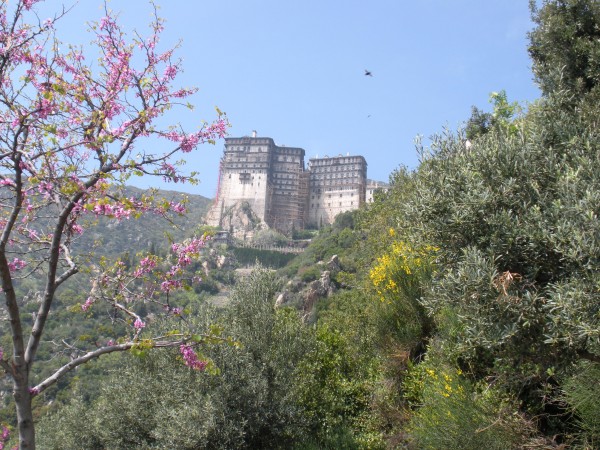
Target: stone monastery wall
<point>270,184</point>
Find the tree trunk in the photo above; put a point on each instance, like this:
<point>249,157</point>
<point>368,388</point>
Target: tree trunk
<point>23,398</point>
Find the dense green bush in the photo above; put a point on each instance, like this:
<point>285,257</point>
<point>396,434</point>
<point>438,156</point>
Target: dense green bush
<point>308,274</point>
<point>286,385</point>
<point>342,373</point>
<point>454,414</point>
<point>267,258</point>
<point>269,238</point>
<point>514,216</point>
<point>564,46</point>
<point>160,403</point>
<point>303,234</point>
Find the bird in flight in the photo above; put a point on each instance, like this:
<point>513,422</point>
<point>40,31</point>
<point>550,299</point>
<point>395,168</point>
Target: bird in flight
<point>368,74</point>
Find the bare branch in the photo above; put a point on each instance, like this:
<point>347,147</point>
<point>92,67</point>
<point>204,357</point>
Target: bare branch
<point>95,354</point>
<point>72,267</point>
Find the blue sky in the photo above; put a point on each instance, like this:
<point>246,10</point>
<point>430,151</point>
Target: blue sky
<point>294,69</point>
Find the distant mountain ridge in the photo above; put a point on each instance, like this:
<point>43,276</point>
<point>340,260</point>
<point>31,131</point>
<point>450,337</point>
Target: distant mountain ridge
<point>110,237</point>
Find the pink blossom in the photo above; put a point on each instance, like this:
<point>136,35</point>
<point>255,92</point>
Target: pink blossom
<point>120,213</point>
<point>190,142</point>
<point>138,324</point>
<point>88,304</point>
<point>16,264</point>
<point>148,262</point>
<point>45,188</point>
<point>4,436</point>
<point>219,128</point>
<point>29,3</point>
<point>177,207</point>
<point>99,209</point>
<point>170,285</point>
<point>105,22</point>
<point>170,72</point>
<point>117,211</point>
<point>190,357</point>
<point>77,229</point>
<point>1,352</point>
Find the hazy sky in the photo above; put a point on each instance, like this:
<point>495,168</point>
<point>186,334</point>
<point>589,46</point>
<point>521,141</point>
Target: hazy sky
<point>294,69</point>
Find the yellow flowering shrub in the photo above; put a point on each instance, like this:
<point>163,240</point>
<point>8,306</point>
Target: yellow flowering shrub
<point>398,278</point>
<point>450,412</point>
<point>402,269</point>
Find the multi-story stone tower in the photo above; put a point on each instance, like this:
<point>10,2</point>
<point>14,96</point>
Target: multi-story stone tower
<point>336,185</point>
<point>261,182</point>
<point>262,179</point>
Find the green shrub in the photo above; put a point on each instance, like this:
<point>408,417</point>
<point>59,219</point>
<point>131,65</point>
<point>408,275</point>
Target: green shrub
<point>452,413</point>
<point>309,274</point>
<point>303,234</point>
<point>336,391</point>
<point>267,258</point>
<point>208,285</point>
<point>269,238</point>
<point>581,392</point>
<point>157,402</point>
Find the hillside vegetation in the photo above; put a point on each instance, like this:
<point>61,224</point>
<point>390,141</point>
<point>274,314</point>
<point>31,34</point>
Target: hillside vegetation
<point>111,238</point>
<point>463,311</point>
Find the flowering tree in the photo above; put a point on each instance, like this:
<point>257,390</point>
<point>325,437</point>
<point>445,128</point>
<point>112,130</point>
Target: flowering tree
<point>70,133</point>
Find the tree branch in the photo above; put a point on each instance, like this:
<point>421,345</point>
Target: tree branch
<point>584,354</point>
<point>95,354</point>
<point>72,268</point>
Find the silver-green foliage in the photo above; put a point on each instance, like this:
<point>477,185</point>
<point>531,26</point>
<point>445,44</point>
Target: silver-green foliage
<point>516,217</point>
<point>157,402</point>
